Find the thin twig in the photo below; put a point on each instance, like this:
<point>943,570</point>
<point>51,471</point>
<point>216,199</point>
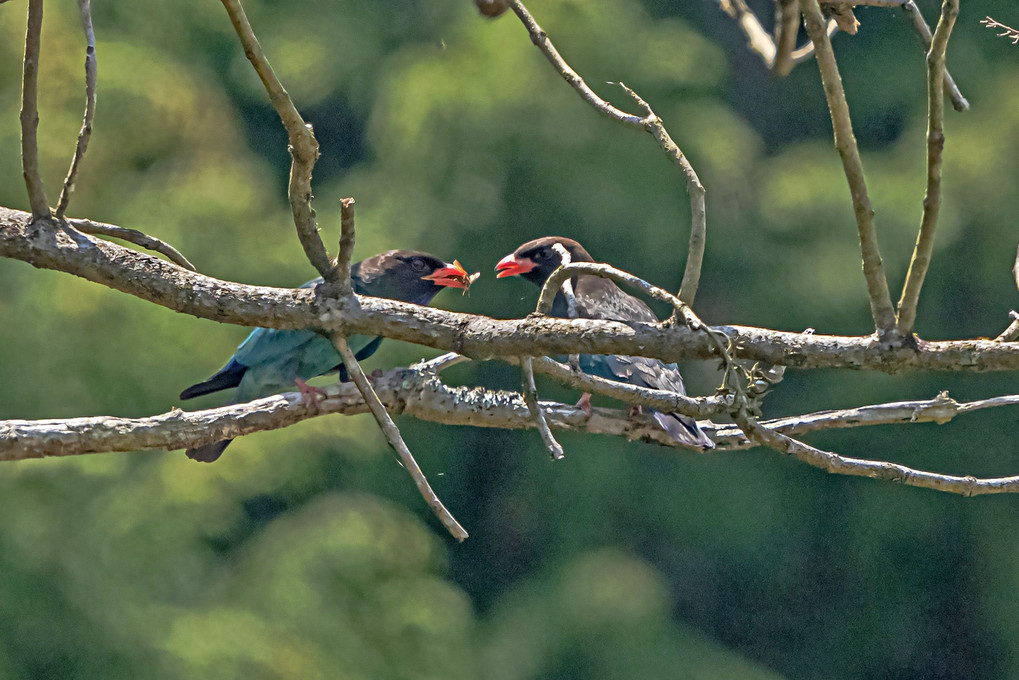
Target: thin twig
<point>30,113</point>
<point>661,400</point>
<point>787,25</point>
<point>649,122</point>
<point>1011,34</point>
<point>872,3</point>
<point>959,103</point>
<point>698,210</point>
<point>920,262</point>
<point>395,440</point>
<point>1010,333</point>
<point>85,10</point>
<point>530,393</point>
<point>873,269</point>
<point>303,145</point>
<point>939,410</point>
<point>893,472</point>
<point>133,236</point>
<point>341,274</point>
<point>440,363</point>
<point>759,40</point>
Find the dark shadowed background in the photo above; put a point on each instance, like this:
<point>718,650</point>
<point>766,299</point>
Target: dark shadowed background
<point>306,553</point>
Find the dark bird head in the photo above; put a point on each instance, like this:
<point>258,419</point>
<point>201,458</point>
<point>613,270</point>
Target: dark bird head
<point>407,276</point>
<point>537,259</point>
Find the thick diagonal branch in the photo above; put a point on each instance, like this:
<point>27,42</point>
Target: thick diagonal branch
<point>921,259</point>
<point>845,142</point>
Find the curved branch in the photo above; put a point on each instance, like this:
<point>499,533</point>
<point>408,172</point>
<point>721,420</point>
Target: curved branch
<point>649,122</point>
<point>303,145</point>
<point>133,236</point>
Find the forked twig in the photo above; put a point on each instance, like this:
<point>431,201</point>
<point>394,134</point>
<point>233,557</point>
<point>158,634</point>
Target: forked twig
<point>1007,32</point>
<point>395,440</point>
<point>85,9</point>
<point>303,145</point>
<point>920,261</point>
<point>959,103</point>
<point>30,113</point>
<point>649,122</point>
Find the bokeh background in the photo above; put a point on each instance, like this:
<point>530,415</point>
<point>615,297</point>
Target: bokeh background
<point>306,553</point>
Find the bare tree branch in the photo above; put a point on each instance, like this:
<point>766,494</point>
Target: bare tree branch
<point>845,141</point>
<point>920,261</point>
<point>133,236</point>
<point>959,103</point>
<point>303,145</point>
<point>30,113</point>
<point>649,122</point>
<point>787,25</point>
<point>892,472</point>
<point>478,337</point>
<point>530,393</point>
<point>395,439</point>
<point>418,392</point>
<point>759,40</point>
<point>85,10</point>
<point>1007,32</point>
<point>347,238</point>
<point>1012,332</point>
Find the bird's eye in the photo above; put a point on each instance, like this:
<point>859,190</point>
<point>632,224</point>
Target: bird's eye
<point>545,254</point>
<point>418,264</point>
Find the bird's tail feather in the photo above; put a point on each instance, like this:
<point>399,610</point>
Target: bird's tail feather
<point>227,377</point>
<point>209,452</point>
<point>684,429</point>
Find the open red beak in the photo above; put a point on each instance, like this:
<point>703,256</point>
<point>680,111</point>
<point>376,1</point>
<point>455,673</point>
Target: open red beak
<point>512,266</point>
<point>452,276</point>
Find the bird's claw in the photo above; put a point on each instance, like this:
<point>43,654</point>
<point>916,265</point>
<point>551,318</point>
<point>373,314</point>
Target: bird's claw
<point>585,403</point>
<point>311,396</point>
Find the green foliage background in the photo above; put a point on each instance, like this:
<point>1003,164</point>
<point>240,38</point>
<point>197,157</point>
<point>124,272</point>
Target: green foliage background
<point>306,553</point>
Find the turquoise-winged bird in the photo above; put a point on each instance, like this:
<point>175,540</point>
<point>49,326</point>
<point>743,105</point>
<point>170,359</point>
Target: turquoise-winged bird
<point>271,361</point>
<point>599,298</point>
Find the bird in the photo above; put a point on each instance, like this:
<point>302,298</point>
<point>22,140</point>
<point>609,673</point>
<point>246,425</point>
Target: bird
<point>272,360</point>
<point>600,298</point>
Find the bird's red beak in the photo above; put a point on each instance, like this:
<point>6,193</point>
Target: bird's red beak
<point>512,266</point>
<point>452,276</point>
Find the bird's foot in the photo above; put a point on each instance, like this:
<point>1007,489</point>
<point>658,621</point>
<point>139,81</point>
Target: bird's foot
<point>311,396</point>
<point>585,403</point>
<point>636,410</point>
